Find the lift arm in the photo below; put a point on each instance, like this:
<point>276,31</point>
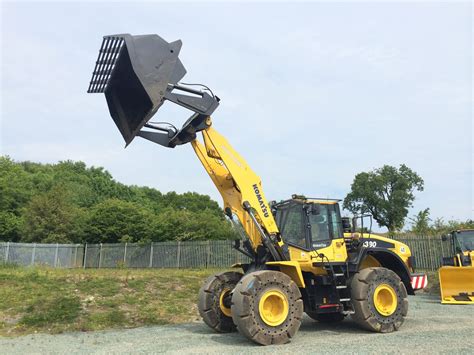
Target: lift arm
<point>240,188</point>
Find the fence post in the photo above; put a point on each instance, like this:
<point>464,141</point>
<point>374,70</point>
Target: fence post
<point>84,262</point>
<point>179,254</point>
<point>125,255</point>
<point>56,255</point>
<point>75,257</point>
<point>442,250</point>
<point>208,259</point>
<point>150,265</point>
<point>430,246</point>
<point>100,256</point>
<point>33,252</point>
<point>7,252</point>
<point>237,255</point>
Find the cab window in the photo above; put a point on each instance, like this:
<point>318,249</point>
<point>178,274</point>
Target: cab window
<point>319,225</point>
<point>291,224</point>
<point>336,222</point>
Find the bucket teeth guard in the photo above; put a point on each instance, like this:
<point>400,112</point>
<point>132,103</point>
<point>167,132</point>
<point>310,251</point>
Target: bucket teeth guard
<point>137,74</point>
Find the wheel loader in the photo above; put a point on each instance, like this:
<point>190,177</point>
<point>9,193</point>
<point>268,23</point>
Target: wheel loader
<point>302,256</point>
<point>456,276</point>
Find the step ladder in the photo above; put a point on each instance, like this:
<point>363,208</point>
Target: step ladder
<point>339,281</point>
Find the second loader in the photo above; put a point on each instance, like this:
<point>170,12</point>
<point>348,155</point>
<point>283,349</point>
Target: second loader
<point>456,276</point>
<point>303,257</point>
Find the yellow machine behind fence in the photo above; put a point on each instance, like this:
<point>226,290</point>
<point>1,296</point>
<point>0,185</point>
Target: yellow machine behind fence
<point>304,258</point>
<point>456,276</point>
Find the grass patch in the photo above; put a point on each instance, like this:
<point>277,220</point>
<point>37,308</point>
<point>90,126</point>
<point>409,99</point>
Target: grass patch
<point>53,311</point>
<point>58,300</point>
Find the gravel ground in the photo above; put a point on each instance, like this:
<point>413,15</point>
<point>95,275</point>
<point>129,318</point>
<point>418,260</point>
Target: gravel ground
<point>430,328</point>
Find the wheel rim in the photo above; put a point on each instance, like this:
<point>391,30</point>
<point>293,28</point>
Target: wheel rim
<point>226,310</point>
<point>273,307</point>
<point>385,299</point>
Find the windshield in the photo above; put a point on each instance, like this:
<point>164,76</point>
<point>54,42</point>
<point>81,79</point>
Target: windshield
<point>299,226</point>
<point>290,221</point>
<point>465,240</point>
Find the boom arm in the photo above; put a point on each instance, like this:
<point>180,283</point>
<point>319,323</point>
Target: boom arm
<point>240,188</point>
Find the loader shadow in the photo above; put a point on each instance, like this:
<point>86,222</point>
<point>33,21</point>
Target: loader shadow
<point>308,328</point>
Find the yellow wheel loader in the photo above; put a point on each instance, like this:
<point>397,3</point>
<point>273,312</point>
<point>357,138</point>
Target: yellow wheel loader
<point>303,257</point>
<point>456,276</point>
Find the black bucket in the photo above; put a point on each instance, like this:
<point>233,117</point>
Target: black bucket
<point>134,73</point>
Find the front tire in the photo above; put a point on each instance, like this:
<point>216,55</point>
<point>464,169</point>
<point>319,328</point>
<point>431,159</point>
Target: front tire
<point>214,301</point>
<point>267,307</point>
<point>379,299</point>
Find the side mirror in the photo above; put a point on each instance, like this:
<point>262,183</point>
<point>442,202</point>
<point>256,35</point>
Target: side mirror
<point>346,225</point>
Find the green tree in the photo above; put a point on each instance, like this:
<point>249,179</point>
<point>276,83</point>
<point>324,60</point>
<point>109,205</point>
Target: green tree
<point>10,226</point>
<point>421,222</point>
<point>59,202</point>
<point>50,217</point>
<point>386,193</point>
<point>183,224</point>
<point>440,227</point>
<point>114,221</point>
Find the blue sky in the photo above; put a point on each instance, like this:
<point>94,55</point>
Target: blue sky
<point>312,93</point>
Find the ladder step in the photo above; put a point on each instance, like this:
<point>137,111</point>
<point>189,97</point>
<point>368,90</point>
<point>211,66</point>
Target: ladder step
<point>344,299</point>
<point>341,286</point>
<point>338,275</point>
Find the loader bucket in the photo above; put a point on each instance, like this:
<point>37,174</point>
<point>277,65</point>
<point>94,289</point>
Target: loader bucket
<point>134,73</point>
<point>456,284</point>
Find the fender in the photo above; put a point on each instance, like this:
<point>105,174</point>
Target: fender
<point>389,260</point>
<point>292,269</point>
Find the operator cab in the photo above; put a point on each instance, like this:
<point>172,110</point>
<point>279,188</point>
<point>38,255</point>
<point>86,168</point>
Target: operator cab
<point>308,223</point>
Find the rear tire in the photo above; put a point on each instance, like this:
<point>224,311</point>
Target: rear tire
<point>379,299</point>
<point>326,317</point>
<point>267,307</point>
<point>212,301</point>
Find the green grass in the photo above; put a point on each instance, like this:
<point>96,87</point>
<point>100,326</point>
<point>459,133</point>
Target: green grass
<point>58,300</point>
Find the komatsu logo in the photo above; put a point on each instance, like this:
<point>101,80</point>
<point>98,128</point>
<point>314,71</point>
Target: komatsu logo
<point>260,200</point>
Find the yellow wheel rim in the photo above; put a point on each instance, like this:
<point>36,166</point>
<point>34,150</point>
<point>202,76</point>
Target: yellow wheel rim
<point>222,306</point>
<point>385,300</point>
<point>273,307</point>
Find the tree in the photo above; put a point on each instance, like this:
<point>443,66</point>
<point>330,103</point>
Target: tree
<point>114,221</point>
<point>10,226</point>
<point>59,202</point>
<point>50,217</point>
<point>183,224</point>
<point>386,193</point>
<point>421,222</point>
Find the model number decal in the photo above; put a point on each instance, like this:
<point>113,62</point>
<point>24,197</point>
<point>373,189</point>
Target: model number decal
<point>369,244</point>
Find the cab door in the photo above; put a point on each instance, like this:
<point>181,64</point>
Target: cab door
<point>326,233</point>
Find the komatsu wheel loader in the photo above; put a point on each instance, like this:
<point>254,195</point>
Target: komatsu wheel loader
<point>302,257</point>
<point>456,276</point>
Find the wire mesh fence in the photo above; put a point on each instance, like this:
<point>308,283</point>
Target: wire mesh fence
<point>54,255</point>
<point>427,250</point>
<point>190,254</point>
